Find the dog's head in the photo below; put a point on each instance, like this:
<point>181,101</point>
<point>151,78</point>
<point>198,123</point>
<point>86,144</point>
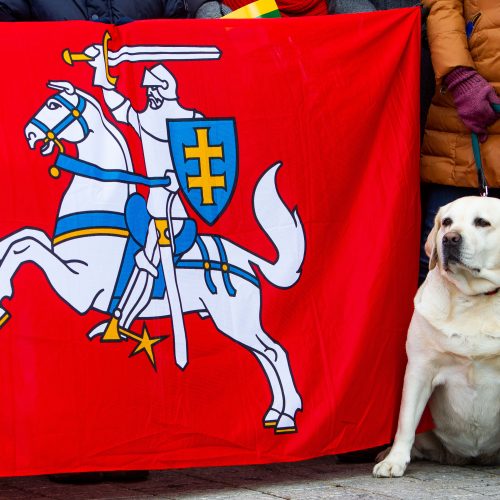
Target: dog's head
<point>465,244</point>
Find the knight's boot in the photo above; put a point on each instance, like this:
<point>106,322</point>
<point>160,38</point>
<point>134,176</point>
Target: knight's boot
<point>112,334</point>
<point>135,298</point>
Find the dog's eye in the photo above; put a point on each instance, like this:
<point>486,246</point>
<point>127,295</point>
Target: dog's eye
<point>480,222</point>
<point>446,222</point>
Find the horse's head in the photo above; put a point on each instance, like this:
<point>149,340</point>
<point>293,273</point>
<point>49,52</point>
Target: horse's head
<point>60,118</point>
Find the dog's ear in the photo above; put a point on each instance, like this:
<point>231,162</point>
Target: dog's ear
<point>431,243</point>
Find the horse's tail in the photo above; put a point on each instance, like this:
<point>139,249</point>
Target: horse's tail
<point>283,227</point>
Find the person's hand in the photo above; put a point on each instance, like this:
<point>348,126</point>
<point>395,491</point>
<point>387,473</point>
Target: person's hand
<point>212,10</point>
<point>473,97</point>
<point>95,52</point>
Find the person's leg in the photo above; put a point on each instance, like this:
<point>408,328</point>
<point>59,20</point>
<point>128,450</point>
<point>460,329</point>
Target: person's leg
<point>361,456</point>
<point>427,83</point>
<point>126,476</point>
<point>77,478</point>
<point>121,476</point>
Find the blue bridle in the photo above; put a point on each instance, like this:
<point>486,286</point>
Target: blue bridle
<point>75,114</point>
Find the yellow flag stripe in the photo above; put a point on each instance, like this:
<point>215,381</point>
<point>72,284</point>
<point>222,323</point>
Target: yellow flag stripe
<point>261,8</point>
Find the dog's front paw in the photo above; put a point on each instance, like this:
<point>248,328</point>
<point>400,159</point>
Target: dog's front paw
<point>390,467</point>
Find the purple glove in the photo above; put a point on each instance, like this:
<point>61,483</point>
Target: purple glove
<point>473,97</point>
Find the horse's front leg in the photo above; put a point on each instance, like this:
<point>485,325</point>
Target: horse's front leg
<point>7,242</point>
<point>67,278</point>
<point>26,232</point>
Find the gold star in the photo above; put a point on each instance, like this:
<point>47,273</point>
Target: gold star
<point>146,344</point>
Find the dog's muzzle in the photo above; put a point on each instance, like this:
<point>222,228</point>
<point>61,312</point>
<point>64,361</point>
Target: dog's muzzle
<point>452,244</point>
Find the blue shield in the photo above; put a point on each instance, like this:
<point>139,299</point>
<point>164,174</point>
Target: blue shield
<point>204,154</point>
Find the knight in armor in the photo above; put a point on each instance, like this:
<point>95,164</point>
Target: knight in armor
<point>163,204</point>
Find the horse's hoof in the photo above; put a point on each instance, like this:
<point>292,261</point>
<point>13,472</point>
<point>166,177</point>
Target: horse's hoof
<point>285,425</point>
<point>4,317</point>
<point>271,418</point>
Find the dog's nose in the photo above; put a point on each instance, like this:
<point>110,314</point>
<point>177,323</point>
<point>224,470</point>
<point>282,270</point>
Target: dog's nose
<point>452,239</point>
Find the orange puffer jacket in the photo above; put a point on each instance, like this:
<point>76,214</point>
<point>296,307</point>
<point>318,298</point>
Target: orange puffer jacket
<point>447,156</point>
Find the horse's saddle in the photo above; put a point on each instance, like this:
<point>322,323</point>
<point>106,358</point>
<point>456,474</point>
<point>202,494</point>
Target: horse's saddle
<point>137,219</point>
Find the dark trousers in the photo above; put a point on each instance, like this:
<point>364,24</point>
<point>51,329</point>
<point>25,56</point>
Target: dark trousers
<point>427,83</point>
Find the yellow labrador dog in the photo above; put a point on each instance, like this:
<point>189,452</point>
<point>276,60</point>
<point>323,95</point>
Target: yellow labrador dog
<point>453,344</point>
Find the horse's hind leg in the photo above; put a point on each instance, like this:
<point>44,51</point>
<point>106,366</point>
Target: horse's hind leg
<point>271,355</point>
<point>66,278</point>
<point>278,358</point>
<point>274,359</point>
<point>276,409</point>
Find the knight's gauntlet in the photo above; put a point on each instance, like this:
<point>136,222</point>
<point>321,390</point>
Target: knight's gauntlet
<point>95,52</point>
<point>143,263</point>
<point>173,187</point>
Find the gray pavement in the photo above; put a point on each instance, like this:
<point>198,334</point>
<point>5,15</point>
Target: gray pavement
<point>310,480</point>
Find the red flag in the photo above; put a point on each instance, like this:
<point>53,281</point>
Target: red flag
<point>282,155</point>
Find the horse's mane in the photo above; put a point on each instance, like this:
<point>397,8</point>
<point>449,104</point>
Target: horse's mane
<point>110,127</point>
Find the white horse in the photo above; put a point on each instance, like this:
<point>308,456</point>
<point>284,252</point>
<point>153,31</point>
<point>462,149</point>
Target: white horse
<point>83,262</point>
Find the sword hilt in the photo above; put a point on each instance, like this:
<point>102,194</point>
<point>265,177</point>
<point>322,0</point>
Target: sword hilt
<point>71,57</point>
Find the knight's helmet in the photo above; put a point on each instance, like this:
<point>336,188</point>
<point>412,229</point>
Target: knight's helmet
<point>160,77</point>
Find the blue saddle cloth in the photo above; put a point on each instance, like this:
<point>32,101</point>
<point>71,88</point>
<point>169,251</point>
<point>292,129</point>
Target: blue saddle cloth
<point>137,219</point>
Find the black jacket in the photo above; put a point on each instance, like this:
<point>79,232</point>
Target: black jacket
<point>111,11</point>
